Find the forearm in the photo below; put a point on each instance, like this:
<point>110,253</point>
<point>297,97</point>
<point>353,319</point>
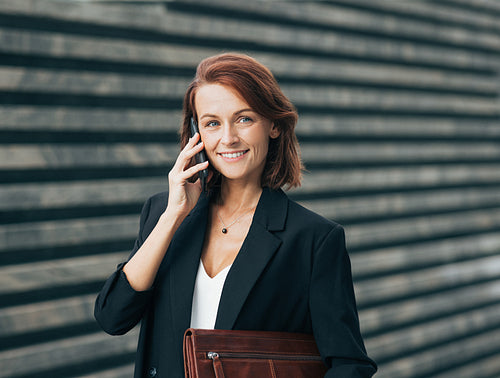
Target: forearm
<point>142,268</point>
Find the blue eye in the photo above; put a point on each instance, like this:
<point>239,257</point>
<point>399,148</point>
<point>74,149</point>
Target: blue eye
<point>245,119</point>
<point>211,124</point>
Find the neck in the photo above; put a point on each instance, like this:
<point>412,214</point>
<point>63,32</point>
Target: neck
<point>235,197</point>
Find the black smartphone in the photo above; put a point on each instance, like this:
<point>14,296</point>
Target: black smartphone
<point>200,157</point>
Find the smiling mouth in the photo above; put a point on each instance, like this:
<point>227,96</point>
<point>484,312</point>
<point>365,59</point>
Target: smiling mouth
<point>233,155</point>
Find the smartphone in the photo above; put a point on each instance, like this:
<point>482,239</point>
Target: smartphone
<point>200,157</point>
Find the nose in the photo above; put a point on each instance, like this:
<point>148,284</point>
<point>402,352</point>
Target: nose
<point>229,134</point>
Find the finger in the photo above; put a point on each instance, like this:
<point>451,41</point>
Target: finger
<point>191,171</point>
<point>187,159</point>
<point>194,150</point>
<point>188,152</point>
<point>193,140</point>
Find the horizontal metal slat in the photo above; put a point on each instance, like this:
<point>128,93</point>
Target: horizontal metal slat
<point>17,118</point>
<point>402,342</point>
<point>75,154</point>
<point>39,357</point>
<point>436,12</point>
<point>430,361</point>
<point>68,232</point>
<point>480,367</point>
<point>53,196</point>
<point>327,75</point>
<point>60,45</point>
<point>398,286</point>
<point>360,21</point>
<point>396,128</point>
<point>267,36</point>
<point>88,54</point>
<point>46,156</point>
<point>73,82</point>
<point>397,152</point>
<point>80,193</point>
<point>29,276</point>
<point>422,227</point>
<point>400,178</point>
<point>119,372</point>
<point>403,205</point>
<point>45,315</point>
<point>386,260</point>
<point>406,312</point>
<point>384,100</point>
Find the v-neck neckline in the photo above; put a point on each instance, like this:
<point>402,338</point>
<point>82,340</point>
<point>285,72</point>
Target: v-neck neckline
<point>217,275</point>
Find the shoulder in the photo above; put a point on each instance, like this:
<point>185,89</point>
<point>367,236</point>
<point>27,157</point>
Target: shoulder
<point>308,218</point>
<point>278,212</point>
<point>306,224</point>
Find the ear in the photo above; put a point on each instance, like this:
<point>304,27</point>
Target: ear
<point>274,132</point>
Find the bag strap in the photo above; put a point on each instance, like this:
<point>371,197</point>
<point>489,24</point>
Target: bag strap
<point>217,364</point>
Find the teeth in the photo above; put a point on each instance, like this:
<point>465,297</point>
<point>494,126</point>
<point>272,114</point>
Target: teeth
<point>233,155</point>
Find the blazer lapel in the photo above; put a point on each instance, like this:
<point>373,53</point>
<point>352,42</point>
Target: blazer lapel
<point>256,251</point>
<point>187,244</point>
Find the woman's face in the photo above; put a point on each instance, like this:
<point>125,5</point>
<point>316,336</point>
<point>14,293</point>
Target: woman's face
<point>236,138</point>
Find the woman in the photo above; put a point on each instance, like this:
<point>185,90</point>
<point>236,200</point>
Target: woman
<point>242,256</point>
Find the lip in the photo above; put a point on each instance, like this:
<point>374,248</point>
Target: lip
<point>232,156</point>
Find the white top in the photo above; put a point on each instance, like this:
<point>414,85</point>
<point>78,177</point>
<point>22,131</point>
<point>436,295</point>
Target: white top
<point>206,297</point>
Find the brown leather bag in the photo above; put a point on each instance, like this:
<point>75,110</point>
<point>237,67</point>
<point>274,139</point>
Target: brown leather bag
<point>231,354</point>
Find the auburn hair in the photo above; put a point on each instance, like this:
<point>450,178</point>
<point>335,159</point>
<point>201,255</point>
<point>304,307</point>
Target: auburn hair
<point>258,87</point>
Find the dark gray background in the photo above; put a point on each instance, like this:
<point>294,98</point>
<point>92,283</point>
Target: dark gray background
<point>399,128</point>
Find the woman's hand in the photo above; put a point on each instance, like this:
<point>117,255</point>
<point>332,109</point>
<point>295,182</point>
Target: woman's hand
<point>142,268</point>
<point>183,194</point>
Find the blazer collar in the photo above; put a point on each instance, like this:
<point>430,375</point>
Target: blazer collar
<point>272,209</point>
<point>257,249</point>
<point>255,253</point>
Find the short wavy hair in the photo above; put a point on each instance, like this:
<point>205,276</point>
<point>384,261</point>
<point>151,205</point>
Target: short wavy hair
<point>257,85</point>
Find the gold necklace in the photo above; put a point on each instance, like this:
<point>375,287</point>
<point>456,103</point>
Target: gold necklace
<point>224,227</point>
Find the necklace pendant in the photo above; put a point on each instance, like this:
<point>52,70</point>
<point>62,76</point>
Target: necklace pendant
<point>224,230</point>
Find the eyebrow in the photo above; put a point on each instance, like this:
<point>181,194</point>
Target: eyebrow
<point>235,113</point>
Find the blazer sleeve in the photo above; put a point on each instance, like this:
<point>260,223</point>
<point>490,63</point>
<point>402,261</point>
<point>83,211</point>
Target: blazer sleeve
<point>118,307</point>
<point>333,310</point>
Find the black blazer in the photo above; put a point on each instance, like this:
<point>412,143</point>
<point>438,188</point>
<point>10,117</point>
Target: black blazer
<point>292,274</point>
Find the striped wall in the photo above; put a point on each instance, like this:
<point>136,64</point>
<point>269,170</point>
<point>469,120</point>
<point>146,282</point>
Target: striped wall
<point>399,128</point>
